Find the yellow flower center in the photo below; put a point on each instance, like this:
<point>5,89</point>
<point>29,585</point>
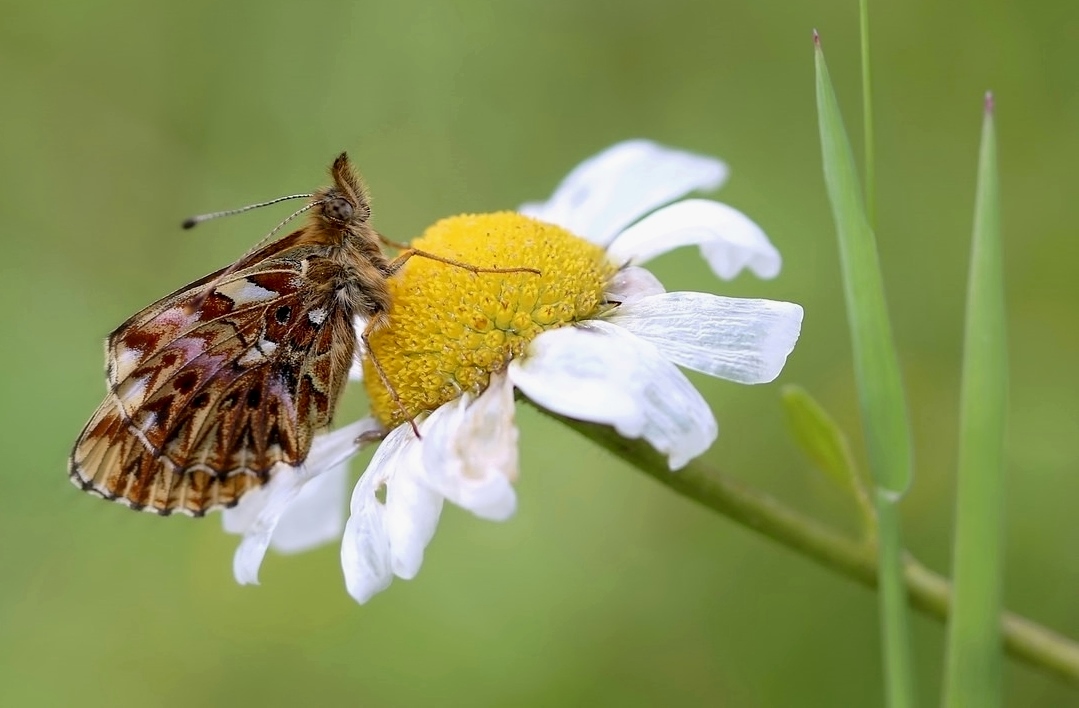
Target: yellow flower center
<point>450,329</point>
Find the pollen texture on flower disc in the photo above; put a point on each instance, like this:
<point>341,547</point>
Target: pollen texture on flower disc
<point>451,328</point>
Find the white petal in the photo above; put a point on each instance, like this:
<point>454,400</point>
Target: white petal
<point>240,517</point>
<point>611,190</point>
<point>632,283</point>
<point>384,538</point>
<point>470,451</point>
<point>412,511</point>
<point>729,239</point>
<point>272,501</point>
<point>604,374</point>
<point>263,511</point>
<point>325,448</point>
<point>314,517</point>
<point>737,339</point>
<point>355,372</point>
<point>365,556</point>
<point>365,546</point>
<point>317,514</point>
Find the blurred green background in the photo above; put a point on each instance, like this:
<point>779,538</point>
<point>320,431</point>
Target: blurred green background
<point>122,117</point>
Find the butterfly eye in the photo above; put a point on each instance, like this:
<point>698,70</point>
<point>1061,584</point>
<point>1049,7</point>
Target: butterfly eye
<point>338,209</point>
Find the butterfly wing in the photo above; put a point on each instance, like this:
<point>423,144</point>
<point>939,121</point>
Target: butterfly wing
<point>208,391</point>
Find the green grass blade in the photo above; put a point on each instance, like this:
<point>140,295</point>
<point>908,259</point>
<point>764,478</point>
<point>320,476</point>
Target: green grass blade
<point>880,389</point>
<point>974,642</point>
<point>876,365</point>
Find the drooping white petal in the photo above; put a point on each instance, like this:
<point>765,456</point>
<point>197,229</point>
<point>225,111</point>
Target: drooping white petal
<point>387,536</point>
<point>604,374</point>
<point>317,514</point>
<point>743,340</point>
<point>611,190</point>
<point>632,283</point>
<point>240,517</point>
<point>470,451</point>
<point>314,517</point>
<point>280,491</point>
<point>729,239</point>
<point>365,545</point>
<point>315,496</point>
<point>266,506</point>
<point>365,556</point>
<point>412,510</point>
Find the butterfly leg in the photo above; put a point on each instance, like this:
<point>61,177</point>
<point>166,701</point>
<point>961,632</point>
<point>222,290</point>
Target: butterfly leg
<point>408,252</point>
<point>365,337</point>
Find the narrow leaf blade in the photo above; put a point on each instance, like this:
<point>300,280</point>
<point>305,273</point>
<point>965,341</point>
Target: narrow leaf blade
<point>876,364</point>
<point>974,641</point>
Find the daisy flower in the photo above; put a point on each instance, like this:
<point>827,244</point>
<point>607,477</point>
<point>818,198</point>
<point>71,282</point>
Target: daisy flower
<point>594,337</point>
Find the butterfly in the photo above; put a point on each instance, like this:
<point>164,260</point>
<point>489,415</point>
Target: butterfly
<point>213,386</point>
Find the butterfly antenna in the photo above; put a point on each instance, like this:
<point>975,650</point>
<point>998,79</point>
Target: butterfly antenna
<point>192,222</point>
<point>197,305</point>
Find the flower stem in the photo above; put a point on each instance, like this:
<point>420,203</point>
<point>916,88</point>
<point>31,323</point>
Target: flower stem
<point>928,592</point>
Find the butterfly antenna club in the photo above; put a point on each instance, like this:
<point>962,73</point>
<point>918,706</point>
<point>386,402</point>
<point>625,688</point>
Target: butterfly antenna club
<point>193,221</point>
<point>197,305</point>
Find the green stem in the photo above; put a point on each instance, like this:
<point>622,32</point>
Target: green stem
<point>928,592</point>
<point>898,658</point>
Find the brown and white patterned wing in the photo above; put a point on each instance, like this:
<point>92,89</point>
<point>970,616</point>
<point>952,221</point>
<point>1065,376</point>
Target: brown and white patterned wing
<point>203,403</point>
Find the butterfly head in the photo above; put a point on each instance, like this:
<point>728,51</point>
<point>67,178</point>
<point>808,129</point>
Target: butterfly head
<point>338,209</point>
<point>345,203</point>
